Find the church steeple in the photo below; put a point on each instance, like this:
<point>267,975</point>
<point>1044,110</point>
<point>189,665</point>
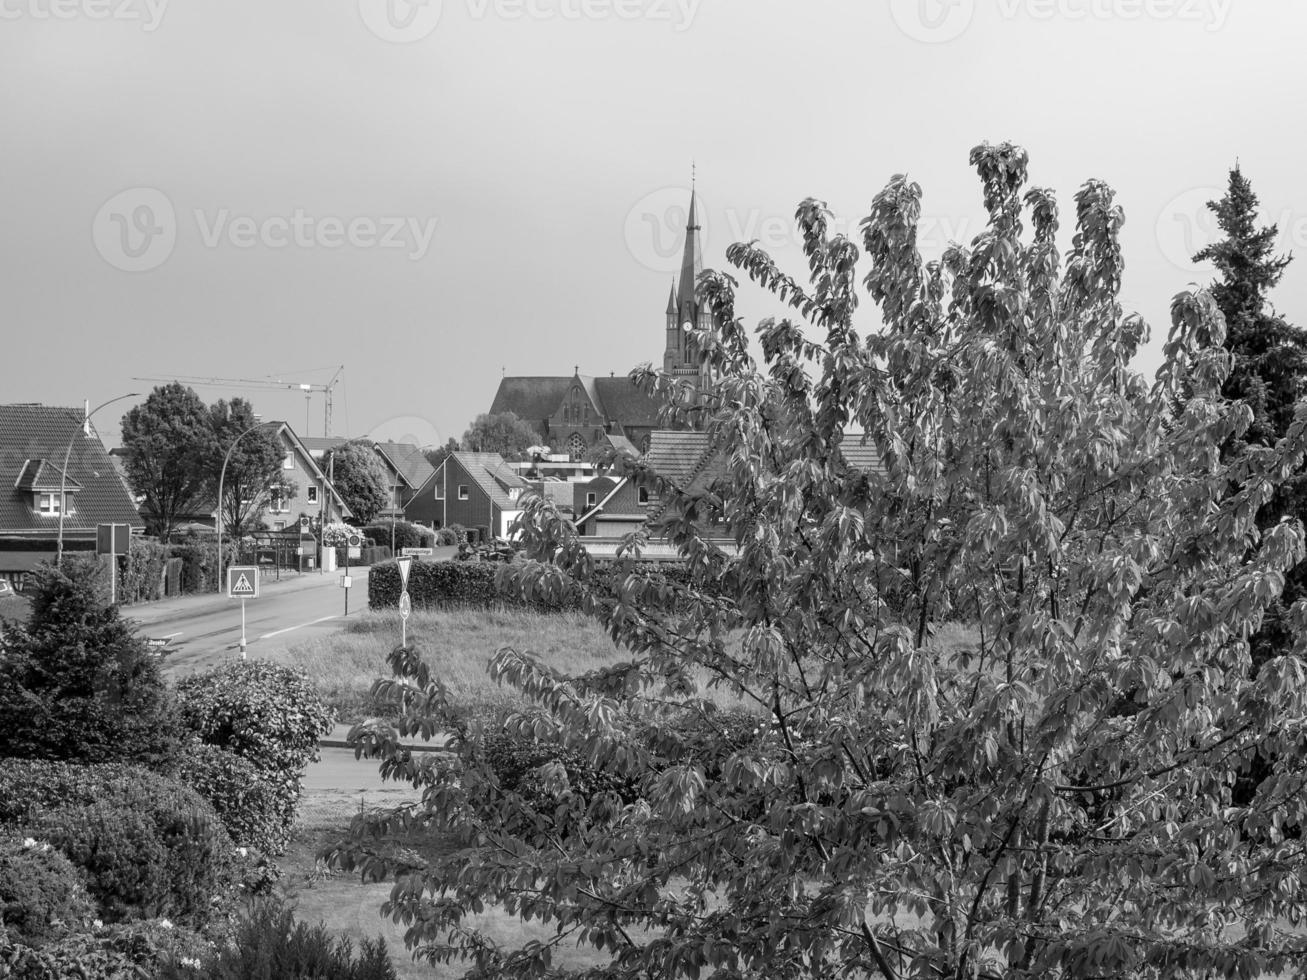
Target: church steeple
<point>691,266</point>
<point>680,358</point>
<point>671,300</point>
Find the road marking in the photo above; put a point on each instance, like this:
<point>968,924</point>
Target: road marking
<point>288,629</point>
<point>169,636</point>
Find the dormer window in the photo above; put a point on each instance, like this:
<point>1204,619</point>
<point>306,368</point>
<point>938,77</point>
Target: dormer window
<point>46,504</point>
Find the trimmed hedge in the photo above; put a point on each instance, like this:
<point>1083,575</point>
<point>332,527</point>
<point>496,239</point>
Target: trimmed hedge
<point>368,555</point>
<point>445,584</point>
<point>407,535</point>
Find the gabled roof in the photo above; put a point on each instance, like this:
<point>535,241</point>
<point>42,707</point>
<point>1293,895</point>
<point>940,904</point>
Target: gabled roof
<point>600,505</point>
<point>311,464</point>
<point>626,403</point>
<point>31,432</point>
<point>317,445</point>
<point>407,460</point>
<point>531,399</point>
<point>678,455</point>
<point>42,476</point>
<point>492,475</point>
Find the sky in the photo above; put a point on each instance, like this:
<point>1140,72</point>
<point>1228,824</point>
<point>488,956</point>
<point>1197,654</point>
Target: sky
<point>434,194</point>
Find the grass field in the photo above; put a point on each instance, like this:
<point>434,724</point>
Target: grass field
<point>457,645</point>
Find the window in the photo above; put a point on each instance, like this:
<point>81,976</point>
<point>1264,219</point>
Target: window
<point>279,525</point>
<point>462,492</point>
<point>278,504</point>
<point>47,503</point>
<point>440,489</point>
<point>642,495</point>
<point>313,495</point>
<point>576,447</point>
<point>590,499</point>
<point>288,461</point>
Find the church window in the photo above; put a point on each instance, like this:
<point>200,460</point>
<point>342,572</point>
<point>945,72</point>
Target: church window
<point>576,448</point>
<point>643,495</point>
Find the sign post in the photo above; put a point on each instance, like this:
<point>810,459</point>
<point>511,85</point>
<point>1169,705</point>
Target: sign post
<point>113,540</point>
<point>405,603</point>
<point>242,584</point>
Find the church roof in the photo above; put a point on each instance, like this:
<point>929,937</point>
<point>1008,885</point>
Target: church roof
<point>691,258</point>
<point>532,399</point>
<point>671,299</point>
<point>625,402</point>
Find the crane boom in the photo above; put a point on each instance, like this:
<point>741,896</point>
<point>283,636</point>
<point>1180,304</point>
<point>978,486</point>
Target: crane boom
<point>266,383</point>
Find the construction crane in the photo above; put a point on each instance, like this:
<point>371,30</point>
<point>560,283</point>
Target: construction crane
<point>265,383</point>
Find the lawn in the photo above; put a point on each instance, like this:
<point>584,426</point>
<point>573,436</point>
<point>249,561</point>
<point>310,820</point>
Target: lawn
<point>458,646</point>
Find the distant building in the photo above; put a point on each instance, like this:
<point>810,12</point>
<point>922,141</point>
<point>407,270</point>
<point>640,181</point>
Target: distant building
<point>471,490</point>
<point>581,413</point>
<point>35,488</point>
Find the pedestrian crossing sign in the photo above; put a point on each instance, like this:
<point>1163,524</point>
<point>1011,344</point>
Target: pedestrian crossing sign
<point>243,582</point>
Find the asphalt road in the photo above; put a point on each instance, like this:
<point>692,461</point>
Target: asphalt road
<point>203,631</point>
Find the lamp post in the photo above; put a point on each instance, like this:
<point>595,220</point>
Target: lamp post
<point>63,473</point>
<point>222,474</point>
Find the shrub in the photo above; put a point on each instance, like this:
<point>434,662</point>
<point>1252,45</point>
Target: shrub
<point>142,578</point>
<point>449,536</point>
<point>200,562</point>
<point>269,715</point>
<point>239,792</point>
<point>42,895</point>
<point>337,535</point>
<point>446,584</point>
<point>129,951</point>
<point>269,944</point>
<point>77,683</point>
<point>406,535</point>
<point>148,844</point>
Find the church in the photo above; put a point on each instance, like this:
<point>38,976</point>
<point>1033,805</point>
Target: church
<point>581,413</point>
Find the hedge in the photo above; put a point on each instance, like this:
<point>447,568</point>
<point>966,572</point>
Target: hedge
<point>367,556</point>
<point>406,535</point>
<point>471,584</point>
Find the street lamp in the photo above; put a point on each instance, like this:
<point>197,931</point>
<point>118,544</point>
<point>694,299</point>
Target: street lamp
<point>221,476</point>
<point>63,473</point>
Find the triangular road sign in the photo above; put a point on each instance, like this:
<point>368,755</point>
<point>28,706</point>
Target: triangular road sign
<point>404,564</point>
<point>242,586</point>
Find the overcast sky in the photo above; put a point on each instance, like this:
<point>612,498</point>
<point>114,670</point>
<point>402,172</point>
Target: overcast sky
<point>434,194</point>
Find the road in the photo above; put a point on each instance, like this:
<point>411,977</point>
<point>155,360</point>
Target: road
<point>203,631</point>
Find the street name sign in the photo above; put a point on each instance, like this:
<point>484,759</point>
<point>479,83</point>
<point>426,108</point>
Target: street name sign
<point>242,582</point>
<point>417,552</point>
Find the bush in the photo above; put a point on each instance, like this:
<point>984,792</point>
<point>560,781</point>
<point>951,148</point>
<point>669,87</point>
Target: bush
<point>42,895</point>
<point>147,844</point>
<point>368,555</point>
<point>77,683</point>
<point>407,535</point>
<point>270,945</point>
<point>200,562</point>
<point>239,792</point>
<point>446,584</point>
<point>142,577</point>
<point>449,536</point>
<point>267,714</point>
<point>337,535</point>
<point>129,951</point>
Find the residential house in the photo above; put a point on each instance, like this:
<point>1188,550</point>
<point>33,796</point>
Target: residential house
<point>471,490</point>
<point>611,506</point>
<point>36,489</point>
<point>407,469</point>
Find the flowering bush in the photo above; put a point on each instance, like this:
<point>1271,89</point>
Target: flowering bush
<point>337,535</point>
<point>42,895</point>
<point>268,715</point>
<point>130,951</point>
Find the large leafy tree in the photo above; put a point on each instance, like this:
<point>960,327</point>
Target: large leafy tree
<point>253,470</point>
<point>1043,788</point>
<point>169,442</point>
<point>359,477</point>
<point>502,433</point>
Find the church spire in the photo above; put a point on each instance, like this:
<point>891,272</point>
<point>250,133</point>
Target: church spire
<point>691,264</point>
<point>671,299</point>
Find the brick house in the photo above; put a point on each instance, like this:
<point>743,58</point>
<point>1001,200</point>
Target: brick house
<point>471,490</point>
<point>35,489</point>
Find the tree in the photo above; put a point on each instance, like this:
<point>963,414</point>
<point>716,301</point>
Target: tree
<point>254,470</point>
<point>357,474</point>
<point>169,441</point>
<point>76,683</point>
<point>438,455</point>
<point>1001,681</point>
<point>502,433</point>
<point>1269,366</point>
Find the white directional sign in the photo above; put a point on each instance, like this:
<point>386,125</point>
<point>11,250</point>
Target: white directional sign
<point>417,552</point>
<point>243,582</point>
